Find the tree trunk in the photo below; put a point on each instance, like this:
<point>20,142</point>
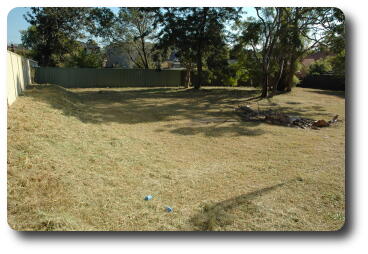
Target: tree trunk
<point>281,84</point>
<point>46,60</point>
<point>198,84</point>
<point>264,92</point>
<point>292,71</point>
<point>265,86</point>
<point>266,80</point>
<point>277,81</point>
<point>187,77</point>
<point>144,53</point>
<point>293,54</point>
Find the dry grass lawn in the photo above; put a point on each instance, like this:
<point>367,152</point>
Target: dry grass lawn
<point>84,159</point>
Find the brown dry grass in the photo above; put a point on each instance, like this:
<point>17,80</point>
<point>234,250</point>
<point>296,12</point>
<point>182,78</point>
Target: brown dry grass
<point>84,160</point>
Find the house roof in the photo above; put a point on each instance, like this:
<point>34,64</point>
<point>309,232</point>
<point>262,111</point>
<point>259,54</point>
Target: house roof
<point>309,59</point>
<point>317,55</point>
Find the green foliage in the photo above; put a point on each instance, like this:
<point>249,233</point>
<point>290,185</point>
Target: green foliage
<point>295,81</point>
<point>322,66</point>
<point>101,22</point>
<point>194,32</point>
<point>338,63</point>
<point>224,73</point>
<point>332,64</point>
<point>206,78</point>
<point>231,81</point>
<point>247,68</point>
<point>84,59</point>
<point>218,66</point>
<point>238,75</point>
<point>132,30</point>
<point>53,32</point>
<point>334,36</point>
<point>268,46</point>
<point>136,27</point>
<point>279,37</point>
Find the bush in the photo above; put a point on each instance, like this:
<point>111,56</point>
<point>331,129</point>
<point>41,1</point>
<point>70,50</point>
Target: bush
<point>338,63</point>
<point>322,66</point>
<point>234,75</point>
<point>230,81</point>
<point>295,81</point>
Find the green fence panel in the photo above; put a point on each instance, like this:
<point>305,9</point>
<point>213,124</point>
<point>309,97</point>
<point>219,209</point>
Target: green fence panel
<point>88,77</point>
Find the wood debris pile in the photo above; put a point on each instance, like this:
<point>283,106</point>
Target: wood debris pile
<point>276,117</point>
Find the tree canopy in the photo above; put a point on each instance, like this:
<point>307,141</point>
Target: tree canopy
<point>280,37</point>
<point>53,32</point>
<point>193,32</point>
<point>266,50</point>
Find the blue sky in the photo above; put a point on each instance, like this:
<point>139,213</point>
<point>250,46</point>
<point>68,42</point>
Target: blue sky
<point>16,22</point>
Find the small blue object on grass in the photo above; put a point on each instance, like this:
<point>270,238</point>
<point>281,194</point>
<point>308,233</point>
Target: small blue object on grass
<point>149,197</point>
<point>168,209</point>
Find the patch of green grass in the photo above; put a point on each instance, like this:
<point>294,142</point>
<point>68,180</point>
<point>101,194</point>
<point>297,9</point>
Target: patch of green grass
<point>80,159</point>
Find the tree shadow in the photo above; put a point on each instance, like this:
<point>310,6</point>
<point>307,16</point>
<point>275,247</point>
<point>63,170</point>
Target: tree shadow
<point>213,215</point>
<point>294,110</point>
<point>293,102</point>
<point>306,111</point>
<point>150,105</point>
<point>340,94</point>
<point>238,129</point>
<point>147,105</point>
<point>255,99</point>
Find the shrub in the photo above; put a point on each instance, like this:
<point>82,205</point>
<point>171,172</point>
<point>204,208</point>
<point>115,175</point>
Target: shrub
<point>230,81</point>
<point>338,63</point>
<point>321,66</point>
<point>295,81</point>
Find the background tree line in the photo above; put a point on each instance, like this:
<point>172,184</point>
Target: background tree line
<point>213,44</point>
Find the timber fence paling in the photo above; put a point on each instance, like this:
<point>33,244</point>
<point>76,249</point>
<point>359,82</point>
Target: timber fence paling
<point>89,77</point>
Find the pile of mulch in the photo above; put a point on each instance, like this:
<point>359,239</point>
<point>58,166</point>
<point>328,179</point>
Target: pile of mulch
<point>276,117</point>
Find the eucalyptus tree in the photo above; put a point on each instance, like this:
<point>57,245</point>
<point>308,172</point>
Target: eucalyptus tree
<point>280,37</point>
<point>306,29</point>
<point>139,30</point>
<point>132,29</point>
<point>193,32</point>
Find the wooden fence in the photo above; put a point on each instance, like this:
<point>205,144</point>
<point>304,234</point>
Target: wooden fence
<point>88,77</point>
<point>18,76</point>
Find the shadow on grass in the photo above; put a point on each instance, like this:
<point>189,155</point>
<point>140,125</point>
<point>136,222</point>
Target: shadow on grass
<point>150,105</point>
<point>293,103</point>
<point>307,112</point>
<point>214,215</point>
<point>134,106</point>
<point>340,94</point>
<point>236,129</point>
